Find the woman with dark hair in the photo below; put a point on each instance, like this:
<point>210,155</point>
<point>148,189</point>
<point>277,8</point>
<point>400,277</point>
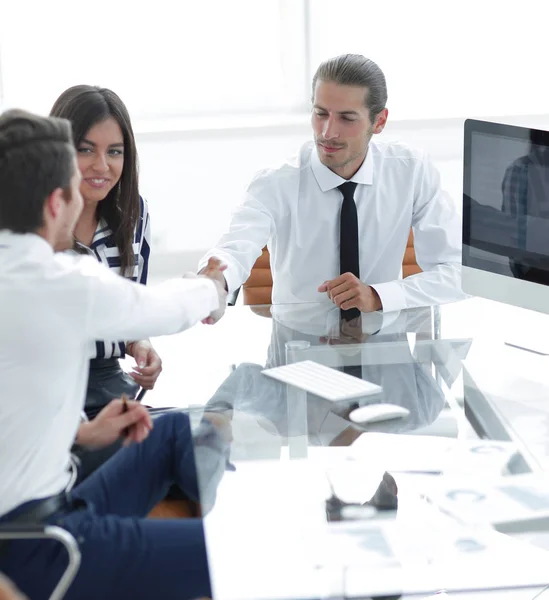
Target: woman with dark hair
<point>114,227</point>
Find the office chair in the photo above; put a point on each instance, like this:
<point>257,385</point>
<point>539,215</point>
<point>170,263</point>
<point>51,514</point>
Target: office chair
<point>40,531</point>
<point>31,531</point>
<point>258,287</point>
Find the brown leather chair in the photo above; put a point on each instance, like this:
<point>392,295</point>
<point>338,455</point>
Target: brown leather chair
<point>259,285</point>
<point>175,509</point>
<point>409,264</point>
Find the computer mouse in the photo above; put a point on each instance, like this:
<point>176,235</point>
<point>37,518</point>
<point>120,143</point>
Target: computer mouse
<point>373,413</point>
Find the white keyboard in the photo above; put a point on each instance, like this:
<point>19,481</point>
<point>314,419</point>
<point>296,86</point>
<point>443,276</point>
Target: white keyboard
<point>323,381</point>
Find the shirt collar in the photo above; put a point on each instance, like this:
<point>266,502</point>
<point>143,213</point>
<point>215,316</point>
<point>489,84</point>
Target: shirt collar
<point>101,235</point>
<point>28,242</point>
<point>328,180</point>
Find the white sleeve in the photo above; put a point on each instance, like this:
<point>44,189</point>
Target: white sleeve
<point>250,229</point>
<point>121,309</point>
<point>436,225</point>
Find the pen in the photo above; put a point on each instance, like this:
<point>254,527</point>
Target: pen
<point>125,409</point>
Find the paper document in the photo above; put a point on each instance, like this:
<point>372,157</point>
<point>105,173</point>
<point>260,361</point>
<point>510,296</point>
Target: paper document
<point>433,454</point>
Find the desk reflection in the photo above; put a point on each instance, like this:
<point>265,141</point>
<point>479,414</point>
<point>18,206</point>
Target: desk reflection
<point>377,349</point>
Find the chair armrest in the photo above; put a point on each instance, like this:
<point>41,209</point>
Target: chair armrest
<point>26,531</point>
<point>7,530</point>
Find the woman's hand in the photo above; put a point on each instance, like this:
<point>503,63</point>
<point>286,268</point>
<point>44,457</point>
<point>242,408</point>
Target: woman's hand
<point>148,363</point>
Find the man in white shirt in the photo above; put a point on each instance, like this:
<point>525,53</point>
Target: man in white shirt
<point>348,251</point>
<point>53,308</point>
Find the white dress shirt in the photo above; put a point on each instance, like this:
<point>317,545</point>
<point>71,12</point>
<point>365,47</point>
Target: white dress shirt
<point>295,211</point>
<point>53,308</point>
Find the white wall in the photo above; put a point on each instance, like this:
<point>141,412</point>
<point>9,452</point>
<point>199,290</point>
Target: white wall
<point>193,177</point>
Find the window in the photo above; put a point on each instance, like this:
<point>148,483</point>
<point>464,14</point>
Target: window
<point>443,59</point>
<point>163,58</point>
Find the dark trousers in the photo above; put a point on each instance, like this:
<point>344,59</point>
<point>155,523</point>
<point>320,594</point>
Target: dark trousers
<point>107,381</point>
<point>124,555</point>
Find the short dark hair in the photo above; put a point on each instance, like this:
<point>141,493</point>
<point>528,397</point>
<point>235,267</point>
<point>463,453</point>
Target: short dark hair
<point>85,106</point>
<point>36,158</point>
<point>539,137</point>
<point>356,70</point>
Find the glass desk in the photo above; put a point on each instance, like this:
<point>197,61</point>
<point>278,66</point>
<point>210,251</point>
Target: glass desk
<point>269,532</point>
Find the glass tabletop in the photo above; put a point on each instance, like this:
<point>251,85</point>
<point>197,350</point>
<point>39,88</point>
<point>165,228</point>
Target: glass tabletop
<point>301,501</point>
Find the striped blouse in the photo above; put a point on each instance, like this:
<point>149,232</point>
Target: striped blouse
<point>104,248</point>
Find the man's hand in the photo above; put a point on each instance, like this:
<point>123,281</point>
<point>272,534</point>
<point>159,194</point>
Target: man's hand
<point>350,332</point>
<point>114,422</point>
<point>214,270</point>
<point>347,291</point>
<point>149,364</point>
<point>8,591</point>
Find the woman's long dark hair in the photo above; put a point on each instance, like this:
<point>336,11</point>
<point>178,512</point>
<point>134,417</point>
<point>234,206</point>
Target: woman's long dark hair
<point>85,106</point>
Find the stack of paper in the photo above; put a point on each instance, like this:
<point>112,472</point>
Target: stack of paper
<point>397,557</point>
<point>510,504</point>
<point>432,454</point>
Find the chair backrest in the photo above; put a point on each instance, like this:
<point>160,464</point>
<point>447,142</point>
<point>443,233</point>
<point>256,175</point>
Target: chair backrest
<point>409,264</point>
<point>258,287</point>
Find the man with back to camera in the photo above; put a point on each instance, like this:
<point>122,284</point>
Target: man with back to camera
<point>337,218</point>
<point>53,308</point>
<point>525,192</point>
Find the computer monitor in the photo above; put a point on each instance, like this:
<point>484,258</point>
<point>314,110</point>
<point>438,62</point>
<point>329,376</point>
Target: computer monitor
<point>506,214</point>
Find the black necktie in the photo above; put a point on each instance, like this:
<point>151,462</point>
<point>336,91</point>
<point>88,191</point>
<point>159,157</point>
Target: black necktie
<point>348,239</point>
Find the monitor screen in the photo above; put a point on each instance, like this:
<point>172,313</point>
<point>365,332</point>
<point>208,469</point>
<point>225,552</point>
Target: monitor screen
<point>506,200</point>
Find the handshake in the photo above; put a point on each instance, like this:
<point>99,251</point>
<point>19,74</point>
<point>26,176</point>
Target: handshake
<point>214,271</point>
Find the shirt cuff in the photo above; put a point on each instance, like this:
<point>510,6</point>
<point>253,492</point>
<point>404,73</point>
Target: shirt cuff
<point>391,294</point>
<point>198,297</point>
<point>211,301</point>
<point>378,322</point>
<point>231,278</point>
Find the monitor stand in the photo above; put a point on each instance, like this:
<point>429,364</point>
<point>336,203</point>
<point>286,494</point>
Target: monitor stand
<point>537,342</point>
